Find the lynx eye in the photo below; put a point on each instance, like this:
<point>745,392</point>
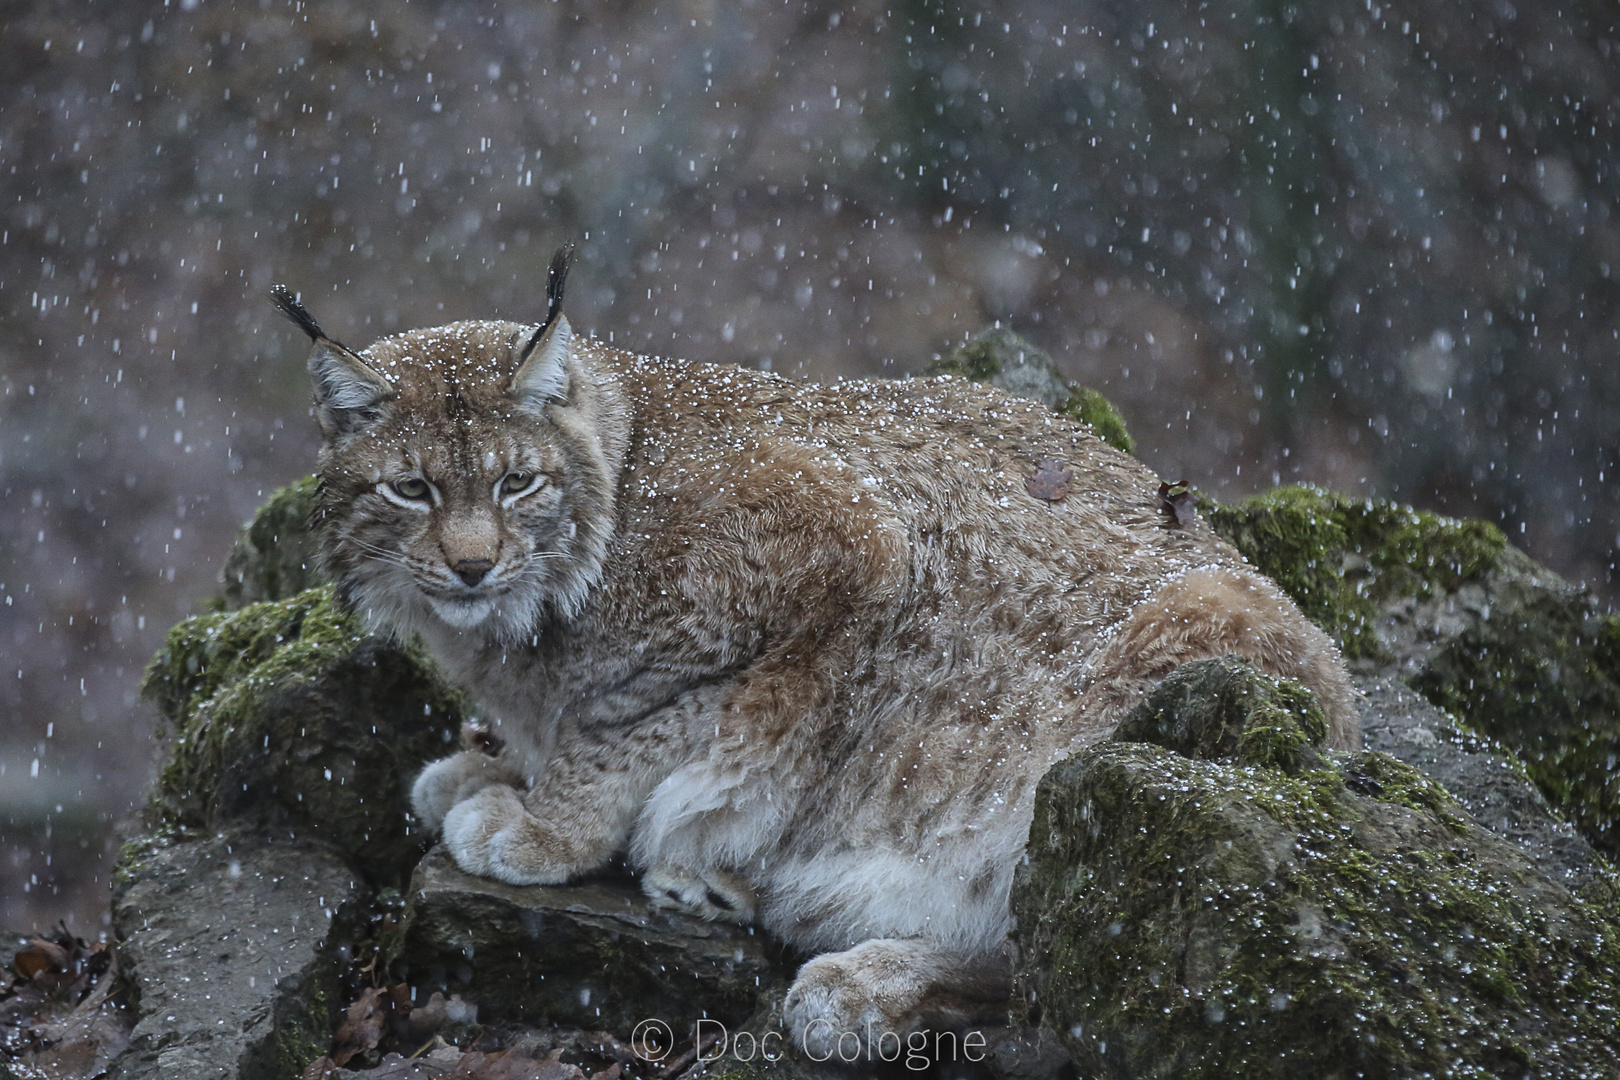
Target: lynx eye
<point>519,483</point>
<point>413,487</point>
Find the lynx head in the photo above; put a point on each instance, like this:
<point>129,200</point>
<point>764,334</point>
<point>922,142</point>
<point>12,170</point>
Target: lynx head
<point>467,471</point>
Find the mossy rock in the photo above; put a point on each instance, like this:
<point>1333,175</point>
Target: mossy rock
<point>1195,917</point>
<point>1340,558</point>
<point>1228,708</point>
<point>275,554</point>
<point>1013,363</point>
<point>1536,668</point>
<point>289,715</point>
<point>1471,623</point>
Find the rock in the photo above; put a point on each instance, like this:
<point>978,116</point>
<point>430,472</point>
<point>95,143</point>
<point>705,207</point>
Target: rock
<point>593,954</point>
<point>1013,363</point>
<point>1475,626</point>
<point>1229,708</point>
<point>1090,407</point>
<point>1196,917</point>
<point>287,715</point>
<point>280,808</point>
<point>233,951</point>
<point>274,556</point>
<point>1485,777</point>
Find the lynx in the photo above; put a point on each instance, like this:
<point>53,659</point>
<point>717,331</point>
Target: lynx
<point>801,652</point>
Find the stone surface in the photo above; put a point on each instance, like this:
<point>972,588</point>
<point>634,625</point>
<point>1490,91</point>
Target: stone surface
<point>233,951</point>
<point>1017,365</point>
<point>1489,782</point>
<point>288,715</point>
<point>1472,624</point>
<point>593,954</point>
<point>1192,917</point>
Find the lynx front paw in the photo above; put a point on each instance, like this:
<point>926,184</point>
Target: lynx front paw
<point>714,895</point>
<point>492,835</point>
<point>450,780</point>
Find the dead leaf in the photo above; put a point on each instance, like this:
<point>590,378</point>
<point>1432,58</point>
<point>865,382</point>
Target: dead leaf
<point>41,957</point>
<point>64,966</point>
<point>1050,482</point>
<point>85,1041</point>
<point>1178,502</point>
<point>362,1026</point>
<point>509,1065</point>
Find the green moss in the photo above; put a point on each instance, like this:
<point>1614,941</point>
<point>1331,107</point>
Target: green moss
<point>1391,780</point>
<point>290,713</point>
<point>303,1030</point>
<point>1204,919</point>
<point>275,554</point>
<point>1090,407</point>
<point>1340,557</point>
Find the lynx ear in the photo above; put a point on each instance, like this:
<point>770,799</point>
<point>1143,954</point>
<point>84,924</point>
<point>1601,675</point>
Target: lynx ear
<point>346,389</point>
<point>542,374</point>
<point>542,378</point>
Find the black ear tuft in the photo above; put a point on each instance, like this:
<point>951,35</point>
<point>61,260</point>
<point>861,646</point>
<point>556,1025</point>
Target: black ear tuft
<point>293,311</point>
<point>556,278</point>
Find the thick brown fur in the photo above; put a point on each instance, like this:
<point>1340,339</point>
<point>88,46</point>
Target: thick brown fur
<point>803,651</point>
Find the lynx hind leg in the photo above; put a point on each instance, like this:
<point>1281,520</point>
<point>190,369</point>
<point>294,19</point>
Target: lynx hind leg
<point>864,1002</point>
<point>715,895</point>
<point>1218,611</point>
<point>451,780</point>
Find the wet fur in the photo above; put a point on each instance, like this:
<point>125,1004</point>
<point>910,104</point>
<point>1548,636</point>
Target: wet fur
<point>803,651</point>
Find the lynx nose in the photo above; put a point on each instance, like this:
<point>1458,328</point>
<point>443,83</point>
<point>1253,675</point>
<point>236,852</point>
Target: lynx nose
<point>472,571</point>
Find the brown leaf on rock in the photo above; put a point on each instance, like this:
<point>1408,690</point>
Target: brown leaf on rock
<point>63,965</point>
<point>1178,503</point>
<point>1050,481</point>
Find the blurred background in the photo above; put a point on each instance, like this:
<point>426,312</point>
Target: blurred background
<point>1367,245</point>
